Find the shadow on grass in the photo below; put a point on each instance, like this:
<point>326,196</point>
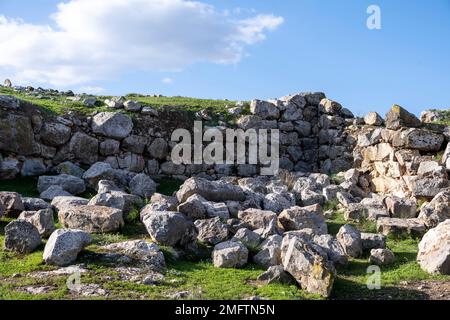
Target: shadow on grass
<point>25,186</point>
<point>345,289</point>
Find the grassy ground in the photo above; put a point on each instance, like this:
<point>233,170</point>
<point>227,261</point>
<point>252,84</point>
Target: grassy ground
<point>200,278</point>
<point>59,104</point>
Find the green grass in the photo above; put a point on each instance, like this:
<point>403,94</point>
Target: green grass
<point>55,104</point>
<point>201,278</point>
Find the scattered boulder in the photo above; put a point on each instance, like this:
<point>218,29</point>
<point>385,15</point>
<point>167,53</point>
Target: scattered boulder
<point>211,231</point>
<point>256,218</point>
<point>42,220</point>
<point>381,257</point>
<point>230,254</point>
<point>270,252</point>
<point>53,192</point>
<point>92,219</point>
<point>401,227</point>
<point>401,208</point>
<point>193,207</point>
<point>248,238</point>
<point>216,191</point>
<point>137,252</point>
<point>166,228</point>
<point>298,218</point>
<point>350,240</point>
<point>21,236</point>
<point>437,211</point>
<point>34,204</point>
<point>434,249</point>
<point>277,202</point>
<point>334,249</point>
<point>373,241</point>
<point>64,245</point>
<point>308,263</point>
<point>71,184</point>
<point>61,203</point>
<point>11,202</point>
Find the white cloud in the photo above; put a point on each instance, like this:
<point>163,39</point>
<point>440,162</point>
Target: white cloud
<point>167,80</point>
<point>98,39</point>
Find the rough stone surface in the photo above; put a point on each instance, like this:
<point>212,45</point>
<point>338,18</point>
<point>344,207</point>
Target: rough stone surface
<point>350,240</point>
<point>71,184</point>
<point>92,219</point>
<point>434,249</point>
<point>166,228</point>
<point>42,220</point>
<point>381,257</point>
<point>298,218</point>
<point>230,254</point>
<point>21,236</point>
<point>112,125</point>
<point>211,231</point>
<point>64,245</point>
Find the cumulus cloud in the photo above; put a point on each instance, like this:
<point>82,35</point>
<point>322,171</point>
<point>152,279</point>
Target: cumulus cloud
<point>99,39</point>
<point>167,80</point>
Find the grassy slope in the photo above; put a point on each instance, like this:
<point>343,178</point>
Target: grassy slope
<point>59,105</point>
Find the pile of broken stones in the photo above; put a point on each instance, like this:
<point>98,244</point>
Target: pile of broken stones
<point>277,223</point>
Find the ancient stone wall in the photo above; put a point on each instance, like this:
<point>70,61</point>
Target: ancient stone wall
<point>32,142</point>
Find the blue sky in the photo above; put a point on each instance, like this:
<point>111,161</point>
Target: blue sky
<point>321,45</point>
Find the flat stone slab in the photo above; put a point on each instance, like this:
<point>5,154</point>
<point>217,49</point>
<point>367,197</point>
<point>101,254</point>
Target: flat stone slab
<point>401,227</point>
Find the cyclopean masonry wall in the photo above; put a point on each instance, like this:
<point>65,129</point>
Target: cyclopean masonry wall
<point>33,142</point>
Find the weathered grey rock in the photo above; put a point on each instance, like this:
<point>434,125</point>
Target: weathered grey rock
<point>264,109</point>
<point>276,274</point>
<point>401,227</point>
<point>330,192</point>
<point>270,252</point>
<point>98,171</point>
<point>60,203</point>
<point>248,238</point>
<point>401,208</point>
<point>309,197</point>
<point>230,254</point>
<point>332,247</point>
<point>92,219</point>
<point>12,203</point>
<point>298,218</point>
<point>71,184</point>
<point>134,143</point>
<point>9,168</point>
<point>216,209</point>
<point>437,211</point>
<point>109,147</point>
<point>216,191</point>
<point>166,228</point>
<point>434,249</point>
<point>33,167</point>
<point>381,257</point>
<point>137,253</point>
<point>112,125</point>
<point>115,102</point>
<point>158,149</point>
<point>55,134</point>
<point>277,202</point>
<point>193,207</point>
<point>64,245</point>
<point>249,122</point>
<point>171,169</point>
<point>53,192</point>
<point>329,106</point>
<point>398,117</point>
<point>69,168</point>
<point>132,106</point>
<point>419,139</point>
<point>427,187</point>
<point>350,240</point>
<point>373,119</point>
<point>16,134</point>
<point>211,231</point>
<point>21,236</point>
<point>345,198</point>
<point>373,241</point>
<point>109,200</point>
<point>42,220</point>
<point>256,218</point>
<point>34,204</point>
<point>142,185</point>
<point>84,148</point>
<point>308,263</point>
